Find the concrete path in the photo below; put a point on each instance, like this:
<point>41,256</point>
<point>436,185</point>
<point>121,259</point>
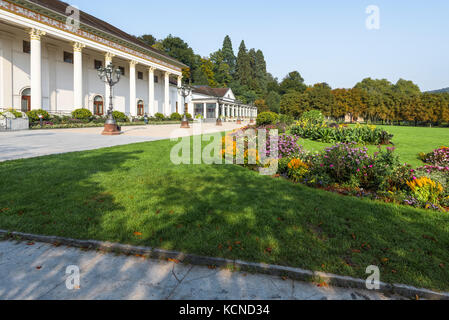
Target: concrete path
<point>38,271</point>
<point>36,143</point>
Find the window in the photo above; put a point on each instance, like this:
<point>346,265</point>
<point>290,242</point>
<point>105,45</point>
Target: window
<point>156,79</point>
<point>122,69</point>
<point>98,64</point>
<point>26,47</point>
<point>140,108</point>
<point>140,75</point>
<point>68,57</point>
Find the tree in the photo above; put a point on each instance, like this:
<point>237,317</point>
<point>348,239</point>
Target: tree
<point>273,101</point>
<point>243,66</point>
<point>320,98</point>
<point>177,48</point>
<point>228,54</point>
<point>261,70</point>
<point>261,106</point>
<point>406,88</point>
<point>221,69</point>
<point>294,103</point>
<point>206,68</point>
<point>292,82</point>
<point>148,39</point>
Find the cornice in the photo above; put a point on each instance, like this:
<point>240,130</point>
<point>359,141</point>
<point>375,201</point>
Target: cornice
<point>46,12</point>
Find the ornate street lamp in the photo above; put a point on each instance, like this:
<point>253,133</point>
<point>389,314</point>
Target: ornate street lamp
<point>219,122</point>
<point>111,77</point>
<point>185,91</point>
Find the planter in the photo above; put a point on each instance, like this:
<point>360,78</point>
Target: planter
<point>17,124</point>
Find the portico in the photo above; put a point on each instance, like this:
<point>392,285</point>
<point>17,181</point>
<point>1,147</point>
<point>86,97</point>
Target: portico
<point>213,103</point>
<point>38,54</point>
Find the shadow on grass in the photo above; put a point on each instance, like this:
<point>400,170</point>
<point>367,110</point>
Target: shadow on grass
<point>231,212</point>
<point>133,195</point>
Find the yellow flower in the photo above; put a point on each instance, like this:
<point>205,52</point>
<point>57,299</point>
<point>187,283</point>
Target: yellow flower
<point>295,164</point>
<point>253,153</point>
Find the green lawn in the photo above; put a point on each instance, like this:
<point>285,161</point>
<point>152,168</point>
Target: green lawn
<point>409,141</point>
<point>228,211</point>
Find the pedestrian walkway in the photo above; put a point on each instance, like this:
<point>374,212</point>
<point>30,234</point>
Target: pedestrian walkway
<point>36,143</point>
<point>38,271</point>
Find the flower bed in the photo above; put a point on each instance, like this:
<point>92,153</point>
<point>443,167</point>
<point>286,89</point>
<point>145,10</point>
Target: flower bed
<point>351,170</point>
<point>438,157</point>
<point>341,133</point>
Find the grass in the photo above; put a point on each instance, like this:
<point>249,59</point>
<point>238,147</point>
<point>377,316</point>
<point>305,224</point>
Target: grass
<point>134,195</point>
<point>409,142</point>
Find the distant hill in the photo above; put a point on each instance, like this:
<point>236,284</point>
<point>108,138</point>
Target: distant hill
<point>440,91</point>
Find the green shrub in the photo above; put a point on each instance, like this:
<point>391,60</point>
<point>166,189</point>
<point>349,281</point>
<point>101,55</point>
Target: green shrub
<point>16,113</point>
<point>82,114</point>
<point>159,116</point>
<point>175,116</point>
<point>267,118</point>
<point>33,115</point>
<point>189,116</point>
<point>359,134</point>
<point>119,116</point>
<point>312,116</point>
<point>288,120</point>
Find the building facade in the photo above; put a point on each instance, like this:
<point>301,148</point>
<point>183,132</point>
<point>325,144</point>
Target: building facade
<point>212,103</point>
<point>49,62</point>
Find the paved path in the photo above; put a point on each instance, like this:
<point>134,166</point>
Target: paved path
<point>38,271</point>
<point>36,143</point>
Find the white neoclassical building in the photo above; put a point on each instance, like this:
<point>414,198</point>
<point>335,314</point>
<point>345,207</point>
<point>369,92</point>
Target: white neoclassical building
<point>212,103</point>
<point>48,62</point>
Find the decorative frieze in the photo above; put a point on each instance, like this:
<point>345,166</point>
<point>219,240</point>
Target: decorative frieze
<point>35,16</point>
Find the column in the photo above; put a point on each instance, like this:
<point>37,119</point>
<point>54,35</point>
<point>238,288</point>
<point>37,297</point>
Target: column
<point>217,106</point>
<point>205,110</point>
<point>167,108</point>
<point>78,75</point>
<point>132,88</point>
<point>6,73</point>
<point>151,91</point>
<point>107,61</point>
<point>36,69</point>
<point>181,107</point>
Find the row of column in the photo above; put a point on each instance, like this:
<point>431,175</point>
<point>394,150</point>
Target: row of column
<point>36,79</point>
<point>231,111</point>
<point>237,111</point>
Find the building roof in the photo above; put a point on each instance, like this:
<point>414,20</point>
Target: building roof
<point>208,91</point>
<point>87,19</point>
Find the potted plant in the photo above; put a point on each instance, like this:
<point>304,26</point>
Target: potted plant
<point>199,118</point>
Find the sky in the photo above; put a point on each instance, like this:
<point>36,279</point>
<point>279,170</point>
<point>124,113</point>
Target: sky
<point>325,40</point>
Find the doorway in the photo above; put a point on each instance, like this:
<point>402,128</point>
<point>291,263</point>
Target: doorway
<point>25,104</point>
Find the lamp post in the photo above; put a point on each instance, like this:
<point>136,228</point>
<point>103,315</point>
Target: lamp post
<point>239,121</point>
<point>111,77</point>
<point>219,122</point>
<point>185,91</point>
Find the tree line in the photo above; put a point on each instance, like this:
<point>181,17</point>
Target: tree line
<point>246,74</point>
<point>373,100</point>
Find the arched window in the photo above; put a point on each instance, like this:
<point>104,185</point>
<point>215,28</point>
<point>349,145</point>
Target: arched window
<point>98,106</point>
<point>140,108</point>
<point>26,100</point>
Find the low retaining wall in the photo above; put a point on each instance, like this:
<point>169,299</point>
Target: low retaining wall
<point>9,124</point>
